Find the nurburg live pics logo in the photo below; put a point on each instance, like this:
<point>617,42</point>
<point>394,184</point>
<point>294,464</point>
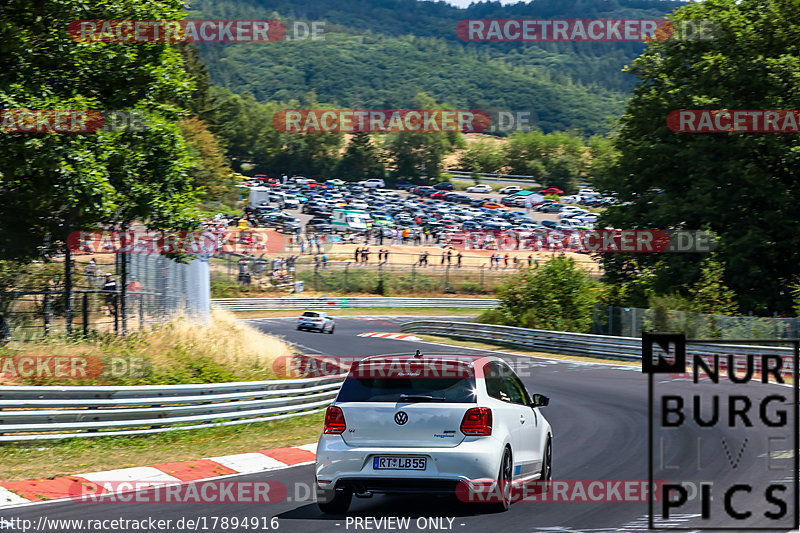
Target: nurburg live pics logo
<point>728,426</point>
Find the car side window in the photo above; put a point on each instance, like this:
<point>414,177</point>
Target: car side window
<point>514,387</point>
<point>494,382</point>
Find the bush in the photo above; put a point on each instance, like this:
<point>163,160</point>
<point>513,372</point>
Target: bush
<point>556,295</point>
<point>470,287</point>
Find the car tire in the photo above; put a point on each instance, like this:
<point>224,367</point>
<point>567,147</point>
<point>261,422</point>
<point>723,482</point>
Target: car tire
<point>546,473</point>
<point>334,501</point>
<point>504,478</point>
<point>330,332</point>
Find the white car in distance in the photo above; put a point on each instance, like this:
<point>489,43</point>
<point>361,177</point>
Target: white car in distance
<point>316,320</point>
<point>400,424</point>
<point>511,189</point>
<point>374,183</point>
<point>481,187</point>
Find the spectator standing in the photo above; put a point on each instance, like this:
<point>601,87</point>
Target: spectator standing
<point>89,271</point>
<point>357,255</point>
<point>458,260</point>
<point>110,286</point>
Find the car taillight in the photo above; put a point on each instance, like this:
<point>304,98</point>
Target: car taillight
<point>334,421</point>
<point>477,421</point>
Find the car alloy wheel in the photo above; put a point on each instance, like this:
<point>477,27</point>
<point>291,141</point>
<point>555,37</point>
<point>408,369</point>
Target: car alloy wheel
<point>504,478</point>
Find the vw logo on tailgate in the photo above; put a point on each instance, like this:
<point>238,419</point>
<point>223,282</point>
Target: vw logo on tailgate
<point>401,417</point>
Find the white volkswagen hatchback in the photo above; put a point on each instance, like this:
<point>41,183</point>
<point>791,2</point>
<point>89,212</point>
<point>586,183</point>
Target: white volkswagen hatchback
<point>428,425</point>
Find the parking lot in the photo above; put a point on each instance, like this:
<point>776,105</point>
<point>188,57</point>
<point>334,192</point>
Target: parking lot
<point>425,210</point>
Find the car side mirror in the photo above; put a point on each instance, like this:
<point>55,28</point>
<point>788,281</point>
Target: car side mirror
<point>540,400</point>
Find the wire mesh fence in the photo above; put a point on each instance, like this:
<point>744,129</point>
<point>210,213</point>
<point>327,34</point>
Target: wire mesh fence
<point>106,296</point>
<point>396,274</point>
<point>631,321</point>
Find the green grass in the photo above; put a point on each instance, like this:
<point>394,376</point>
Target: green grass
<point>74,456</point>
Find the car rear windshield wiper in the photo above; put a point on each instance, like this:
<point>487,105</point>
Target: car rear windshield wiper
<point>420,398</point>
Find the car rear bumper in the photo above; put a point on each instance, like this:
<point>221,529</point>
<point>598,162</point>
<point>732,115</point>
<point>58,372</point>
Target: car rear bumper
<point>339,464</point>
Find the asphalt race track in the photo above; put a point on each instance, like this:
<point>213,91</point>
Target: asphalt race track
<point>599,418</point>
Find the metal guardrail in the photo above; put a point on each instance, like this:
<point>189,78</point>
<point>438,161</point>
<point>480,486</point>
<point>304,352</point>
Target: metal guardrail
<point>504,178</point>
<point>580,344</point>
<point>302,302</point>
<point>47,413</point>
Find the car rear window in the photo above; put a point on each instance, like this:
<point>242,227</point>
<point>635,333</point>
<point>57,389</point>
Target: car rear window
<point>371,384</point>
<point>310,313</point>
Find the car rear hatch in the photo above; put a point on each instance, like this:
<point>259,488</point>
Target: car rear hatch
<point>408,405</point>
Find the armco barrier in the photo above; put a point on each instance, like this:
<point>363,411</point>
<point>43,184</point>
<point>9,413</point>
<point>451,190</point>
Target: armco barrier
<point>318,303</point>
<point>46,413</point>
<point>581,344</point>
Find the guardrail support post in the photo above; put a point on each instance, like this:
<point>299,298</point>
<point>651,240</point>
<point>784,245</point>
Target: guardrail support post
<point>85,313</point>
<point>46,315</point>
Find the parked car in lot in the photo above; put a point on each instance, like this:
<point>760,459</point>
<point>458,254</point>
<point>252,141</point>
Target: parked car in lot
<point>550,208</point>
<point>481,187</point>
<point>316,320</point>
<point>423,190</point>
<point>444,186</point>
<point>493,205</point>
<point>319,225</point>
<point>374,183</point>
<point>551,190</point>
<point>404,431</point>
<point>511,189</point>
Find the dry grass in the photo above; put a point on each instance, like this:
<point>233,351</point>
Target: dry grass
<point>181,351</point>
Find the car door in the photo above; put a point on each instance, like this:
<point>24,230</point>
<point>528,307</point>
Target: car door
<point>527,447</point>
<point>508,415</point>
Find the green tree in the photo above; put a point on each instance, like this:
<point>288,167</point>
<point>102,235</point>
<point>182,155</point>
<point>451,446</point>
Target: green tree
<point>556,295</point>
<point>482,157</point>
<point>208,172</point>
<point>361,160</point>
<point>556,159</point>
<point>53,183</point>
<point>419,153</point>
<point>742,186</point>
<point>710,295</point>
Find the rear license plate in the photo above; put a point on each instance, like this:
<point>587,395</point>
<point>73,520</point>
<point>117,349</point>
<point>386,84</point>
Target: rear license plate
<point>399,463</point>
